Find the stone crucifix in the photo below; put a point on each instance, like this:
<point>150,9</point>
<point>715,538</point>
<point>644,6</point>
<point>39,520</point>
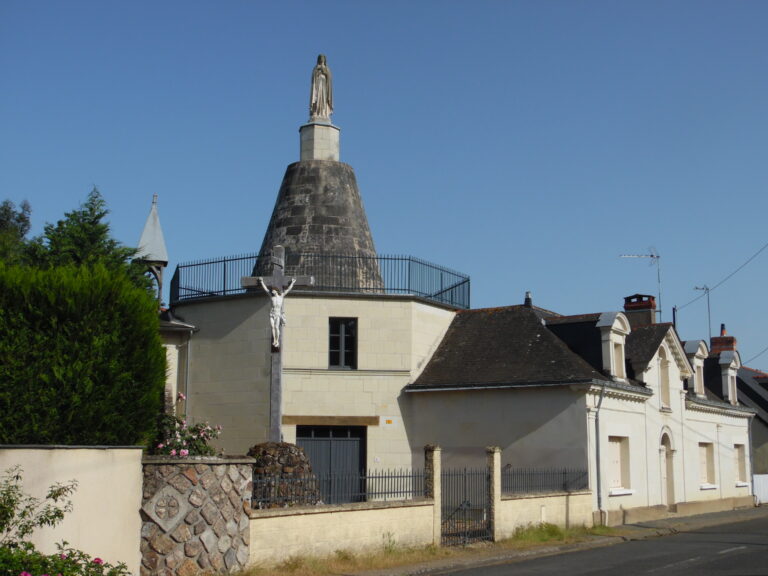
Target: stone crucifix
<point>277,286</point>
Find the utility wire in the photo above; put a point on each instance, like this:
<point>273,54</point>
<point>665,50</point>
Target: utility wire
<point>763,351</point>
<point>755,255</point>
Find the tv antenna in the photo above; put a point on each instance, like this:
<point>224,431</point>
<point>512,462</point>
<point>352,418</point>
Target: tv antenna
<point>706,289</point>
<point>655,259</point>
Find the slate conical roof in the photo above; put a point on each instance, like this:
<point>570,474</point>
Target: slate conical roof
<point>152,243</point>
<point>319,219</point>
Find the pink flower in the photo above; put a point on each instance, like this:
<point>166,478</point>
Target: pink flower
<point>183,453</point>
<point>63,556</point>
<point>181,396</point>
<point>25,574</point>
<point>173,452</point>
<point>98,561</point>
<point>160,446</point>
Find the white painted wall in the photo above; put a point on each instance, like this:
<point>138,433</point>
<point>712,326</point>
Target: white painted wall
<point>230,365</point>
<point>534,427</point>
<point>278,535</point>
<point>228,382</point>
<point>105,520</point>
<point>564,510</point>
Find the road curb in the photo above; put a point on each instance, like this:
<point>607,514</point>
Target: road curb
<point>627,533</point>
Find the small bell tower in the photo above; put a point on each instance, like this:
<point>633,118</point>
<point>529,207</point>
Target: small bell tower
<point>152,251</point>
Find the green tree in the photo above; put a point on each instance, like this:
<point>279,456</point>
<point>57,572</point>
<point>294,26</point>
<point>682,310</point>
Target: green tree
<point>83,238</point>
<point>14,226</point>
<point>81,361</point>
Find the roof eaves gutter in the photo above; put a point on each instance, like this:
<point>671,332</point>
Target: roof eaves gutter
<point>503,386</point>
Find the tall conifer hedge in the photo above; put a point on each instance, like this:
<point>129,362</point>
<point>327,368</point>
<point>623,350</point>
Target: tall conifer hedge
<point>81,361</point>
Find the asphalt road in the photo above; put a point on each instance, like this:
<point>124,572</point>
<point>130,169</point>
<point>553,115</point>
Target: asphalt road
<point>739,549</point>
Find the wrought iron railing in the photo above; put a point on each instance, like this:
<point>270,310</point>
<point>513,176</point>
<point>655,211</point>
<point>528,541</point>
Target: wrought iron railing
<point>543,480</point>
<point>333,273</point>
<point>283,490</point>
<point>465,505</point>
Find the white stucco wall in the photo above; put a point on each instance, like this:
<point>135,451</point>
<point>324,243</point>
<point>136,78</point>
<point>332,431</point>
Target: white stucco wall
<point>228,382</point>
<point>278,535</point>
<point>229,359</point>
<point>105,519</point>
<point>644,421</point>
<point>565,510</point>
<point>533,427</point>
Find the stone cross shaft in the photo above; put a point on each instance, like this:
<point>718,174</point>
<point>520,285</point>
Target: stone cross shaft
<point>277,286</point>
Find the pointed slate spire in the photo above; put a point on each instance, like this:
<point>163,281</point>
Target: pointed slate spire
<point>152,250</point>
<point>152,243</point>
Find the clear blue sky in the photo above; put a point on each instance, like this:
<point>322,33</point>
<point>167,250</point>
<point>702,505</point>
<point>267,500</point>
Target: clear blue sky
<point>527,144</point>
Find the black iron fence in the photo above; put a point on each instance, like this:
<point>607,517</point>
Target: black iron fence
<point>542,480</point>
<point>284,490</point>
<point>334,273</point>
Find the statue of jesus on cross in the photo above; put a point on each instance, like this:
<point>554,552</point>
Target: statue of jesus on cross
<point>277,312</point>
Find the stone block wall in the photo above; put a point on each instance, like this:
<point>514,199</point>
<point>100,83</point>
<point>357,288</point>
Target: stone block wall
<point>194,515</point>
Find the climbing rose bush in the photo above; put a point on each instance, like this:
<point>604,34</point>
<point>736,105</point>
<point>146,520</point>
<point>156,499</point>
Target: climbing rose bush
<point>25,560</point>
<point>180,440</point>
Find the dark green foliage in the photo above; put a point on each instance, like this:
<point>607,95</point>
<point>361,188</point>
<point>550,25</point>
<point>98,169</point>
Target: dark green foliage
<point>82,238</point>
<point>14,226</point>
<point>81,361</point>
<point>25,560</point>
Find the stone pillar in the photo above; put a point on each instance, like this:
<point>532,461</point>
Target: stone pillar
<point>494,468</point>
<point>319,142</point>
<point>433,489</point>
<point>195,515</point>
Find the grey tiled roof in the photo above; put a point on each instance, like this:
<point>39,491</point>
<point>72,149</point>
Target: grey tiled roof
<point>501,347</point>
<point>643,343</point>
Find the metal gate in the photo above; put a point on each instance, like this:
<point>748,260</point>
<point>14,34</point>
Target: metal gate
<point>337,455</point>
<point>466,506</point>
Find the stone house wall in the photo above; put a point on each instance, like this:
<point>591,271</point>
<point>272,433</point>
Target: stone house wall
<point>194,515</point>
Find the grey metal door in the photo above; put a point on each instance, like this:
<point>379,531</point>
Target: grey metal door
<point>466,506</point>
<point>337,455</point>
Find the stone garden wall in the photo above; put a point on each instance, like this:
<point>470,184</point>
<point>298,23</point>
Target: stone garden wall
<point>193,515</point>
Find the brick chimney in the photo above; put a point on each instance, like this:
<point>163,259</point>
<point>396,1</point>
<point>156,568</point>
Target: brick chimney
<point>722,343</point>
<point>640,309</point>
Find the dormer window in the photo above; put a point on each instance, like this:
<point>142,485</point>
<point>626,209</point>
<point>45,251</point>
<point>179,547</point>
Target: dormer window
<point>698,380</point>
<point>729,365</point>
<point>614,328</point>
<point>664,377</point>
<point>618,359</point>
<point>697,352</point>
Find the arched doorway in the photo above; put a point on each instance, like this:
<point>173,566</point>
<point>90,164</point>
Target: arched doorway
<point>667,471</point>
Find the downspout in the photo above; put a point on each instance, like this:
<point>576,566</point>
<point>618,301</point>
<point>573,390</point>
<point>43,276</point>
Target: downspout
<point>751,461</point>
<point>186,378</point>
<point>599,478</point>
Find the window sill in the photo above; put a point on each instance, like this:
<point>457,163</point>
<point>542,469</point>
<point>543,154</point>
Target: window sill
<point>708,486</point>
<point>741,484</point>
<point>620,492</point>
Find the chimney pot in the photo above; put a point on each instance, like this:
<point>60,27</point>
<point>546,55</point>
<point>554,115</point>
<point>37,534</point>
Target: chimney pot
<point>528,300</point>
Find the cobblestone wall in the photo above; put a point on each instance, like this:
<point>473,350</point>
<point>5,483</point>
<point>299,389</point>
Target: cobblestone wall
<point>193,516</point>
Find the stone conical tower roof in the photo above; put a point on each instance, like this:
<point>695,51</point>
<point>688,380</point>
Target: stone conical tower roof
<point>319,217</point>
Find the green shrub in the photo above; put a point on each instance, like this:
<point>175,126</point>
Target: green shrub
<point>21,514</point>
<point>81,361</point>
<point>25,560</point>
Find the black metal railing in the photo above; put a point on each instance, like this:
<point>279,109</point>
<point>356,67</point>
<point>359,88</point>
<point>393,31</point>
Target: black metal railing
<point>543,480</point>
<point>465,506</point>
<point>333,273</point>
<point>284,490</point>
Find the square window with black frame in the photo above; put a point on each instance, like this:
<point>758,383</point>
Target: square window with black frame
<point>342,343</point>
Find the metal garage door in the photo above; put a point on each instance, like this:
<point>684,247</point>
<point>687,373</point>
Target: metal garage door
<point>337,455</point>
